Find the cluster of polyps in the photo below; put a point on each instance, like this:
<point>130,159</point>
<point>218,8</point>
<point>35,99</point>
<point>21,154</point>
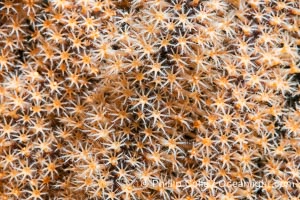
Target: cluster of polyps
<point>100,96</point>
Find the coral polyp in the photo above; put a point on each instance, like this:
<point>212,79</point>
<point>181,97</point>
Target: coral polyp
<point>149,99</point>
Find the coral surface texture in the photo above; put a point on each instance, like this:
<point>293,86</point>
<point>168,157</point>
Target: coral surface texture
<point>149,99</point>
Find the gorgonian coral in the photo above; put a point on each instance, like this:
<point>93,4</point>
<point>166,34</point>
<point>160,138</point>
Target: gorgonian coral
<point>149,99</point>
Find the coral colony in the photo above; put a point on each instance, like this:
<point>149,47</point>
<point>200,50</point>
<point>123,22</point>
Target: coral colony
<point>149,99</point>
